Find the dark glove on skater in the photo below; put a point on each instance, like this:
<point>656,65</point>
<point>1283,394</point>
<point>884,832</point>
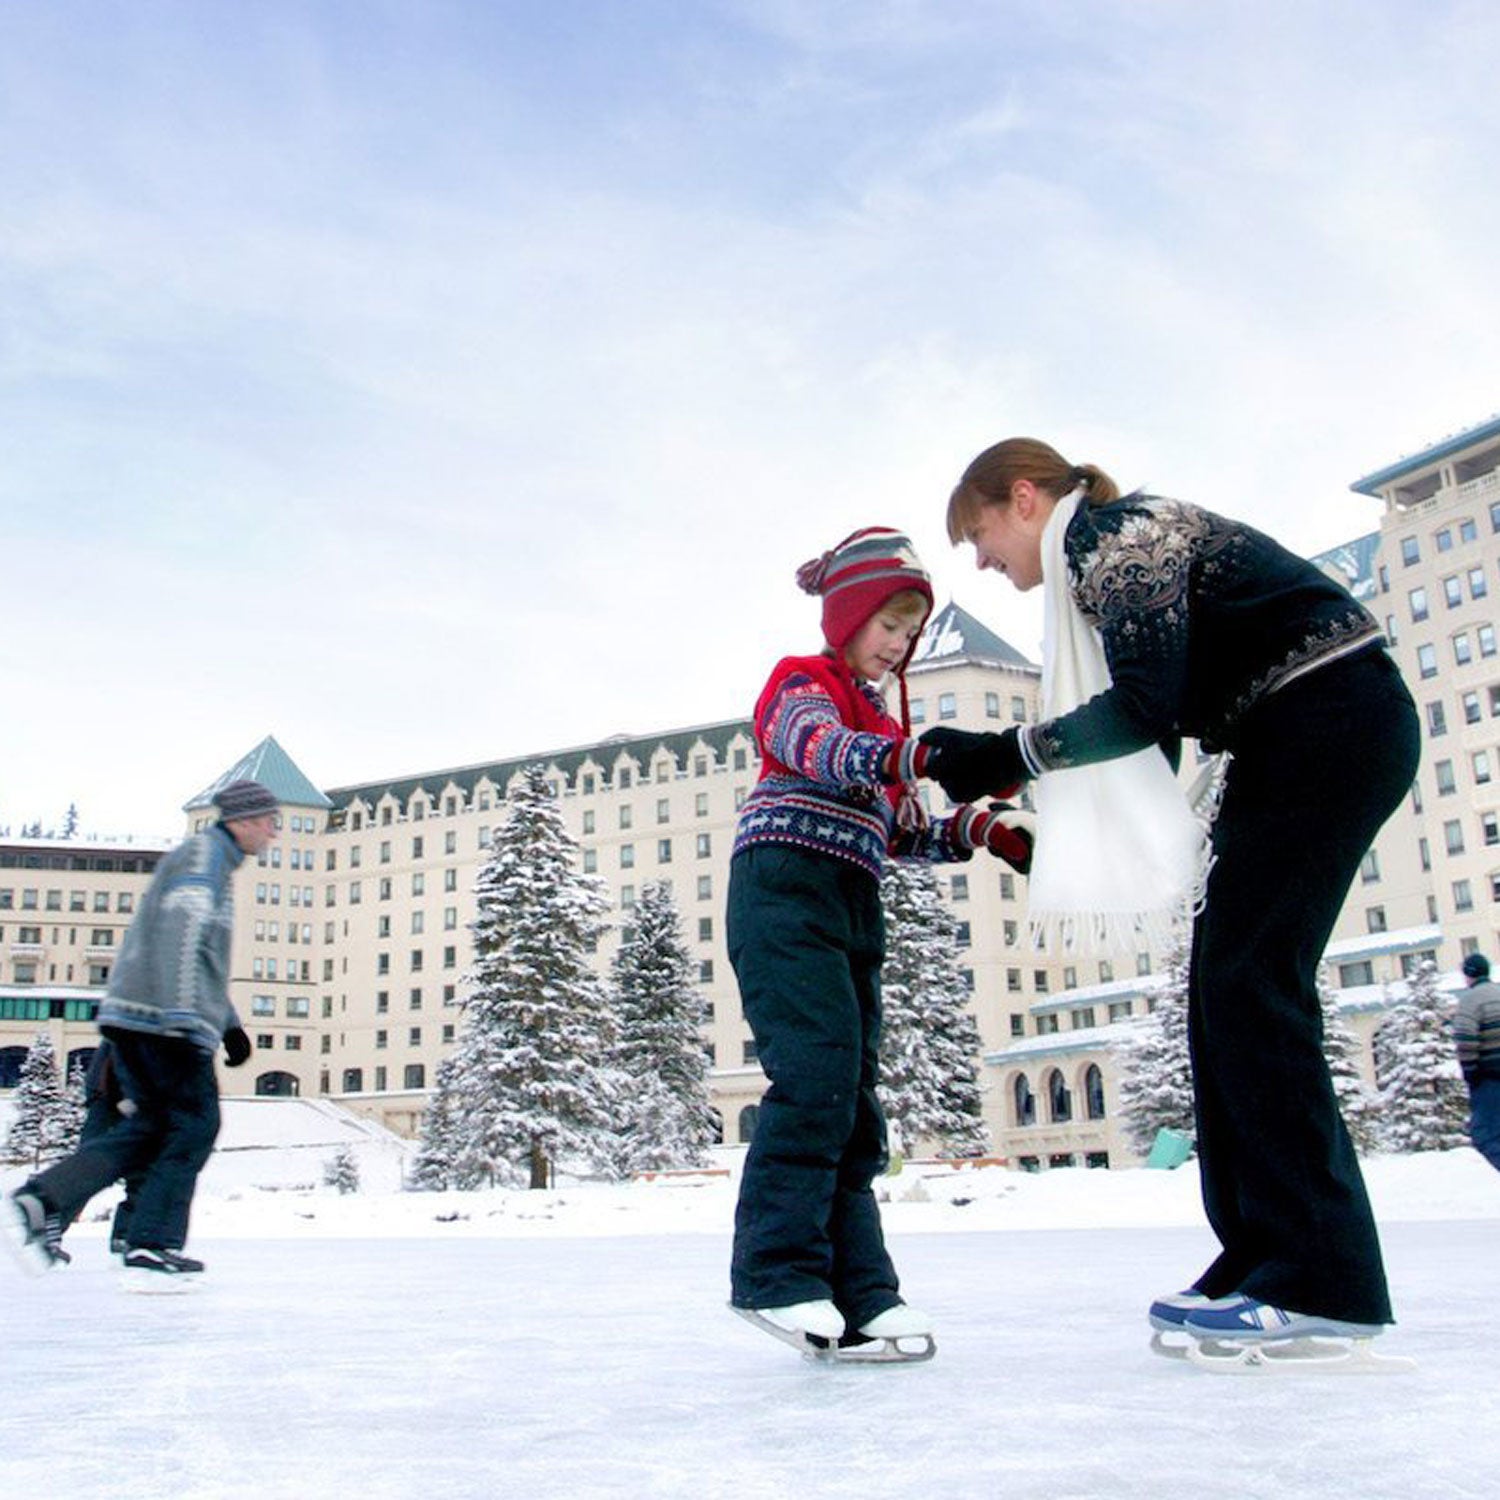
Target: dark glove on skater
<point>237,1046</point>
<point>970,766</point>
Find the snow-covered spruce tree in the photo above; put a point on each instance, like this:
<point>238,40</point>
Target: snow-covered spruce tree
<point>533,1084</point>
<point>341,1171</point>
<point>666,1119</point>
<point>442,1142</point>
<point>1358,1102</point>
<point>929,1050</point>
<point>46,1122</point>
<point>1156,1074</point>
<point>1424,1105</point>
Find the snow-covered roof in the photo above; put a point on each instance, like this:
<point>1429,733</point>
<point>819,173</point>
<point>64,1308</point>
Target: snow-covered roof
<point>1058,1043</point>
<point>1382,944</point>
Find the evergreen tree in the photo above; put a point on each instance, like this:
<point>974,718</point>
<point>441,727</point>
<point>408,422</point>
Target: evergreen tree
<point>929,1052</point>
<point>1156,1077</point>
<point>667,1119</point>
<point>1358,1102</point>
<point>45,1124</point>
<point>70,821</point>
<point>438,1155</point>
<point>341,1171</point>
<point>1424,1103</point>
<point>534,1086</point>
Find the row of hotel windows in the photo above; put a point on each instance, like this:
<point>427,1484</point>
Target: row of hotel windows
<point>1443,538</point>
<point>77,900</point>
<point>1059,1097</point>
<point>947,708</point>
<point>664,768</point>
<point>99,937</point>
<point>1462,647</point>
<point>1453,596</point>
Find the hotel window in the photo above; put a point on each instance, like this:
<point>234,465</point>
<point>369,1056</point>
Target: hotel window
<point>1039,981</point>
<point>960,887</point>
<point>1478,584</point>
<point>961,935</point>
<point>700,805</point>
<point>590,861</point>
<point>385,888</point>
<point>1017,1024</point>
<point>663,809</point>
<point>1411,553</point>
<point>1481,767</point>
<point>705,887</point>
<point>382,927</point>
<point>1486,637</point>
<point>627,856</point>
<point>297,1007</point>
<point>418,920</point>
<point>627,816</point>
<point>992,705</point>
<point>1463,896</point>
<point>1453,836</point>
<point>1369,868</point>
<point>1444,539</point>
<point>417,847</point>
<point>1427,661</point>
<point>450,880</point>
<point>917,710</point>
<point>1375,919</point>
<point>1437,720</point>
<point>1018,710</point>
<point>1443,771</point>
<point>415,1076</point>
<point>418,883</point>
<point>1418,601</point>
<point>1453,592</point>
<point>664,851</point>
<point>1463,652</point>
<point>1467,530</point>
<point>588,820</point>
<point>1490,825</point>
<point>705,845</point>
<point>1470,702</point>
<point>705,929</point>
<point>947,706</point>
<point>385,851</point>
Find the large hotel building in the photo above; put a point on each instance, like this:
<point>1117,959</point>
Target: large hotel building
<point>352,932</point>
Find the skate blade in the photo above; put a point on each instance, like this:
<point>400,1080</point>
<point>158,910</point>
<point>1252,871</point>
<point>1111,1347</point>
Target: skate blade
<point>29,1258</point>
<point>1304,1356</point>
<point>1170,1350</point>
<point>910,1349</point>
<point>158,1283</point>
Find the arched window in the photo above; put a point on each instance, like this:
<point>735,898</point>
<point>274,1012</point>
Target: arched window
<point>1059,1100</point>
<point>1024,1100</point>
<point>279,1086</point>
<point>11,1059</point>
<point>1093,1092</point>
<point>748,1116</point>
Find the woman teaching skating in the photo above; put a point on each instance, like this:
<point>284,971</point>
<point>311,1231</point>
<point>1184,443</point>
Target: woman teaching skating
<point>1165,620</point>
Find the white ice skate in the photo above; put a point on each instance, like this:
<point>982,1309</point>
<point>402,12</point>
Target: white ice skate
<point>899,1335</point>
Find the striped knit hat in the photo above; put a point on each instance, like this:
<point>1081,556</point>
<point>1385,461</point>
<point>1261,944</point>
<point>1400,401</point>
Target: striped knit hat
<point>856,577</point>
<point>244,799</point>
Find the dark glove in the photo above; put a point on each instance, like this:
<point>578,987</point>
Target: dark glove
<point>237,1046</point>
<point>970,766</point>
<point>1007,832</point>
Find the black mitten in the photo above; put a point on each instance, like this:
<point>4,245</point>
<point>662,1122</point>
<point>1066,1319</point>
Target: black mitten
<point>237,1046</point>
<point>969,766</point>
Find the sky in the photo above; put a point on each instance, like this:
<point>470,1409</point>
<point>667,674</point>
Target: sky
<point>434,384</point>
<point>575,1345</point>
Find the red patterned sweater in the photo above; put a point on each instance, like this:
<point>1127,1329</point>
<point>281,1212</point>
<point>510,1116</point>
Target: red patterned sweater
<point>823,737</point>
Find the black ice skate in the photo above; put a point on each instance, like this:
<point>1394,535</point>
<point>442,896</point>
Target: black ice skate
<point>152,1270</point>
<point>33,1232</point>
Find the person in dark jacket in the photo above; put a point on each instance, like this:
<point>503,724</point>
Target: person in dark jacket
<point>166,1013</point>
<point>1203,627</point>
<point>1476,1036</point>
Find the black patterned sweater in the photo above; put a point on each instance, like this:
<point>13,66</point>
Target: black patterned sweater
<point>823,739</point>
<point>1201,617</point>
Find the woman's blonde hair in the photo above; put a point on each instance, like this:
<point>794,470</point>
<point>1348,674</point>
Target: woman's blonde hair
<point>988,481</point>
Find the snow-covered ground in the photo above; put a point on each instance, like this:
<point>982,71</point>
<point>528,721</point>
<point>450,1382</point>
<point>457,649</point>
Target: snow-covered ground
<point>576,1344</point>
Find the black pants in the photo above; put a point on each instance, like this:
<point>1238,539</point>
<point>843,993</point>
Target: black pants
<point>159,1147</point>
<point>101,1096</point>
<point>1319,767</point>
<point>806,938</point>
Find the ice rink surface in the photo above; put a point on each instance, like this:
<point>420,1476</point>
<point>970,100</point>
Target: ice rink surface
<point>540,1366</point>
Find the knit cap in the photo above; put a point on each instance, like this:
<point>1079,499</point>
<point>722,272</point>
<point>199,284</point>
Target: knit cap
<point>1476,966</point>
<point>244,799</point>
<point>858,575</point>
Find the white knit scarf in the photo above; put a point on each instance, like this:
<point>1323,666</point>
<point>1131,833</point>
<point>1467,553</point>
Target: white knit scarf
<point>1120,855</point>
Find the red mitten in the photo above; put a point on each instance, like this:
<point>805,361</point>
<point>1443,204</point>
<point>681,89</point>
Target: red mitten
<point>1007,832</point>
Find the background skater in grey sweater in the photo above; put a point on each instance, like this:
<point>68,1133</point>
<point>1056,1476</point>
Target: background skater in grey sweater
<point>165,1016</point>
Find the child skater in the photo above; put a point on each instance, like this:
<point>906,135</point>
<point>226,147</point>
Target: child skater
<point>1164,619</point>
<point>805,935</point>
